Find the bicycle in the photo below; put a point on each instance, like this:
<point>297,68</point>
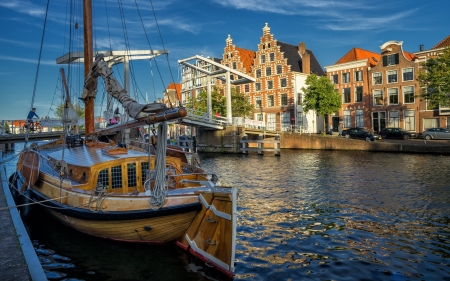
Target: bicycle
<point>35,127</point>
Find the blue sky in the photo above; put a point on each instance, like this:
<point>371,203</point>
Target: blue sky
<point>329,28</point>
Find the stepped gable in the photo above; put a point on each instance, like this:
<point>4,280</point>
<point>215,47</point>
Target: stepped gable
<point>444,43</point>
<point>294,59</point>
<point>356,54</point>
<point>247,58</point>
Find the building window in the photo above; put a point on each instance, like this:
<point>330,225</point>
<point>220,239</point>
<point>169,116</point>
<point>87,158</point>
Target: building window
<point>270,101</point>
<point>269,84</point>
<point>260,117</point>
<point>258,73</point>
<point>346,95</point>
<point>358,76</point>
<point>392,76</point>
<point>271,122</point>
<point>272,56</point>
<point>299,99</point>
<point>410,120</point>
<point>334,79</point>
<point>408,74</point>
<point>378,97</point>
<point>263,58</point>
<point>300,121</point>
<point>283,82</point>
<point>408,93</point>
<point>231,77</point>
<point>394,120</point>
<point>359,117</point>
<point>279,69</point>
<point>393,95</point>
<point>246,88</point>
<point>346,77</point>
<point>234,65</point>
<point>258,103</point>
<point>258,86</point>
<point>284,99</point>
<point>268,71</point>
<point>285,120</point>
<point>390,60</point>
<point>377,78</point>
<point>347,119</point>
<point>359,94</point>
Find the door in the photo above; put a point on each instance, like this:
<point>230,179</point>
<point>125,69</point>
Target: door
<point>335,123</point>
<point>379,121</point>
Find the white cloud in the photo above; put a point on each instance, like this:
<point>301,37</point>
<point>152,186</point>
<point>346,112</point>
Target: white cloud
<point>44,62</point>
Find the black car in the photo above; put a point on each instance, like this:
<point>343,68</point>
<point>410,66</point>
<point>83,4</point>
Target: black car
<point>360,133</point>
<point>396,133</point>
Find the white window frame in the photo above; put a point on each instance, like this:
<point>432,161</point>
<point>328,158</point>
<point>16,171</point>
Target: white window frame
<point>394,119</point>
<point>405,91</point>
<point>393,92</point>
<point>347,118</point>
<point>403,73</point>
<point>344,94</point>
<point>376,94</point>
<point>358,78</point>
<point>409,117</point>
<point>362,94</point>
<point>345,77</point>
<point>271,121</point>
<point>393,73</point>
<point>359,117</point>
<point>377,75</point>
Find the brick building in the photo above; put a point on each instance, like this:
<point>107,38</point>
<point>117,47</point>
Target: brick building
<point>392,87</point>
<point>351,77</point>
<point>280,70</point>
<point>433,117</point>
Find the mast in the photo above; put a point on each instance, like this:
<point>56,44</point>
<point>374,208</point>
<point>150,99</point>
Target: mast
<point>88,59</point>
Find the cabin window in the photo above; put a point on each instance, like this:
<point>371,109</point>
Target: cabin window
<point>144,171</point>
<point>103,178</point>
<point>131,171</point>
<point>116,173</point>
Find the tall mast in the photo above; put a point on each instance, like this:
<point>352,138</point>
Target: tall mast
<point>88,59</point>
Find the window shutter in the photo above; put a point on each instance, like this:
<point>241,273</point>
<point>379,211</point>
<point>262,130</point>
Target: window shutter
<point>396,59</point>
<point>384,60</point>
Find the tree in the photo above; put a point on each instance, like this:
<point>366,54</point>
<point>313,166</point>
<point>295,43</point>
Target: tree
<point>435,80</point>
<point>59,110</point>
<point>240,104</point>
<point>321,96</point>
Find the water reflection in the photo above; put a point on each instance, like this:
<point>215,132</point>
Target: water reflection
<point>306,215</point>
<point>326,214</point>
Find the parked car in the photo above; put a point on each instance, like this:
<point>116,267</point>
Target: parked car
<point>396,133</point>
<point>436,134</point>
<point>360,133</point>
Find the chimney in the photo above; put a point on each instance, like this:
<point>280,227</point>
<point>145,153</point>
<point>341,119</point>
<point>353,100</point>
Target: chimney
<point>301,48</point>
<point>306,59</point>
<point>421,48</point>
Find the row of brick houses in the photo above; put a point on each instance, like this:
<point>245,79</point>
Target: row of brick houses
<point>378,89</point>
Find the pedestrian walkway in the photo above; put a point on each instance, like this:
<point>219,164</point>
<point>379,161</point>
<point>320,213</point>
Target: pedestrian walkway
<point>18,259</point>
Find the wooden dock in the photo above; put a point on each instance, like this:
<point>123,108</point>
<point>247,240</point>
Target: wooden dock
<point>18,259</point>
<point>258,145</point>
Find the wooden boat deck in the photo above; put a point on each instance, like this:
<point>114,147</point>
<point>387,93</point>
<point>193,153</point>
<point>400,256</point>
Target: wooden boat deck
<point>86,156</point>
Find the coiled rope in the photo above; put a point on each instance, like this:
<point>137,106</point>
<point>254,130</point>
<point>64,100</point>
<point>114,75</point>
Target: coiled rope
<point>158,195</point>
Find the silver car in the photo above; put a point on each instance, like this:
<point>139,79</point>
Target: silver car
<point>436,134</point>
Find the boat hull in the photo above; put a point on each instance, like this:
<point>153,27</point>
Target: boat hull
<point>156,230</point>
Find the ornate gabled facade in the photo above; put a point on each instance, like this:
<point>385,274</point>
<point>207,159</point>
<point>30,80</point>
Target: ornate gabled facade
<point>393,85</point>
<point>350,75</point>
<point>280,70</point>
<point>433,117</point>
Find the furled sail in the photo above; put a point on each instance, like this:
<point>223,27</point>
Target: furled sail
<point>113,87</point>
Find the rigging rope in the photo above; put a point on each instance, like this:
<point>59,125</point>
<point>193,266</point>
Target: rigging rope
<point>40,54</point>
<point>158,195</point>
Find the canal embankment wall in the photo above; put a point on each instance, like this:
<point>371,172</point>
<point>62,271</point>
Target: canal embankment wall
<point>229,141</point>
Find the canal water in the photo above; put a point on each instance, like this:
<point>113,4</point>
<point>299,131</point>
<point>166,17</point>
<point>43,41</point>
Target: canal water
<point>306,215</point>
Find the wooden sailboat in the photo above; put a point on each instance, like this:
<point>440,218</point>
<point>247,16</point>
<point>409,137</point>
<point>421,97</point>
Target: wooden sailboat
<point>123,192</point>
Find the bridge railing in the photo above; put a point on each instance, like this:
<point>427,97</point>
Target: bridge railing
<point>48,125</point>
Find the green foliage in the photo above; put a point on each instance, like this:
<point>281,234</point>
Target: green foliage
<point>434,80</point>
<point>59,110</point>
<point>7,129</point>
<point>321,96</point>
<point>239,103</point>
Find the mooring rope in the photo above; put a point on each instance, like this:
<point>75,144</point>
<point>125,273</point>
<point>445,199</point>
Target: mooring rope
<point>158,195</point>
